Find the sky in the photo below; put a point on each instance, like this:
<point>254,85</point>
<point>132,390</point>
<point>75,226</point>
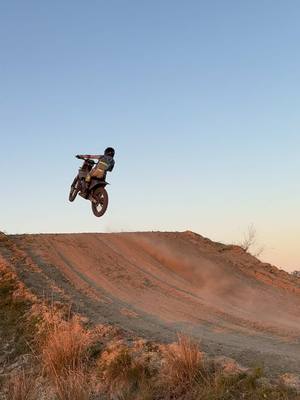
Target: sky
<point>200,99</point>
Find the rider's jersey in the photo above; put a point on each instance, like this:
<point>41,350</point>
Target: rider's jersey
<point>107,162</point>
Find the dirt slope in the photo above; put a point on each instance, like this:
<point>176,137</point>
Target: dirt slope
<point>156,284</point>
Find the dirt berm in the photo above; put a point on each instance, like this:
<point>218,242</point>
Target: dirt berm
<point>156,284</point>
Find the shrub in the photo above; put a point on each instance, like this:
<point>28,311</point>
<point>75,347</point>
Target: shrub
<point>124,374</point>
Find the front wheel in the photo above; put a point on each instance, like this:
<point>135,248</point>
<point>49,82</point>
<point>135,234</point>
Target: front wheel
<point>74,189</point>
<point>101,202</point>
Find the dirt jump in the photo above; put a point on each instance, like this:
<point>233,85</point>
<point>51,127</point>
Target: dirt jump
<point>157,284</point>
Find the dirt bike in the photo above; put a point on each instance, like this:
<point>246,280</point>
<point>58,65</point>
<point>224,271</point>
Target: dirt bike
<point>94,191</point>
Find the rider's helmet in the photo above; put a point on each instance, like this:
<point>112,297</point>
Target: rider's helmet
<point>109,151</point>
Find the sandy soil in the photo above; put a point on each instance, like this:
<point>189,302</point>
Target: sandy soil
<point>156,284</point>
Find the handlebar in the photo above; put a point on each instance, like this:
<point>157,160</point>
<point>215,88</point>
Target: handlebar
<point>85,159</point>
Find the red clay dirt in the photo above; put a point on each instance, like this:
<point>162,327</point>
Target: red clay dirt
<point>156,284</point>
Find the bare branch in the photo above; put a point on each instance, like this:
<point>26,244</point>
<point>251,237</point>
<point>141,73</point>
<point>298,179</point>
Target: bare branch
<point>249,238</point>
<point>249,242</point>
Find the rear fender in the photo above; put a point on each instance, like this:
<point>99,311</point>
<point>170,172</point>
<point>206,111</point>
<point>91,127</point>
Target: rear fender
<point>95,183</point>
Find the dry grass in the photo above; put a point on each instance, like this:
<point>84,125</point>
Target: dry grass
<point>64,348</point>
<point>183,365</point>
<point>21,386</point>
<point>72,385</point>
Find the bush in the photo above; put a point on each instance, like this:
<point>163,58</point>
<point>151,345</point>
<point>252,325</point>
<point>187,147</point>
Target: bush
<point>125,374</point>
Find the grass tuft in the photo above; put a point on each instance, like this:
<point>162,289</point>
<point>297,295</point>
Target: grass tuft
<point>72,385</point>
<point>21,386</point>
<point>65,348</point>
<point>183,366</point>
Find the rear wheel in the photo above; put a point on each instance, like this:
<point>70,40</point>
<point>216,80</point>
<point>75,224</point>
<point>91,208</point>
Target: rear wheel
<point>101,202</point>
<point>74,189</point>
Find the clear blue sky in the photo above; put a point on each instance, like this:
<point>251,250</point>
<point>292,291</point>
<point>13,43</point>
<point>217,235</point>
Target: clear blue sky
<point>200,99</point>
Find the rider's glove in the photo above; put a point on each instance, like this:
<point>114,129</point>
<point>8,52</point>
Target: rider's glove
<point>78,156</point>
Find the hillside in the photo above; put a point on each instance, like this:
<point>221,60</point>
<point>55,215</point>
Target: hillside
<point>156,284</point>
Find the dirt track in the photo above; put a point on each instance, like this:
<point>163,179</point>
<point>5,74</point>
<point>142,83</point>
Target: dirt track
<point>156,284</point>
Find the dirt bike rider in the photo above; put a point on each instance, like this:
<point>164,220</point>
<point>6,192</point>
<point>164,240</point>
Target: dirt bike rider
<point>105,163</point>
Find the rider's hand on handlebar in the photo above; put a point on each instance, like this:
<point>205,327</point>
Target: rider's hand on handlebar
<point>78,156</point>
